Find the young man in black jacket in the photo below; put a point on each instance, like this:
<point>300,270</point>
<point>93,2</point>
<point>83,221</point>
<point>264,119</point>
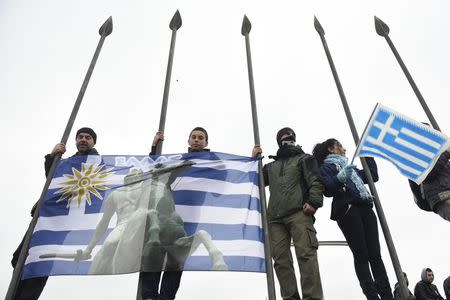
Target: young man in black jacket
<point>31,289</point>
<point>170,282</point>
<point>424,289</point>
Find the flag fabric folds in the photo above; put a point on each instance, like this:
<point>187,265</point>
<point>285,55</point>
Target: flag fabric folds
<point>120,214</point>
<point>410,145</point>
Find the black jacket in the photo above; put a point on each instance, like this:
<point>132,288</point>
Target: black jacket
<point>436,184</point>
<point>344,193</point>
<point>47,164</point>
<point>426,291</point>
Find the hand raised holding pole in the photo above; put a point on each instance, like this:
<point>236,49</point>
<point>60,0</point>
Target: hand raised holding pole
<point>104,31</point>
<point>174,25</point>
<point>245,31</point>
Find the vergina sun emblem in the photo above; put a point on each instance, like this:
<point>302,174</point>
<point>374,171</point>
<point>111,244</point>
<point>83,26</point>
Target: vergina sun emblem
<point>82,183</point>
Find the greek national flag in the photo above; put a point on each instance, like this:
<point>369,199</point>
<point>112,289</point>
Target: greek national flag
<point>118,214</point>
<point>410,145</point>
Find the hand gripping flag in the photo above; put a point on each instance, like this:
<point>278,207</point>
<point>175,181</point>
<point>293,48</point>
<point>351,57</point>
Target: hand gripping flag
<point>410,145</point>
<point>123,214</point>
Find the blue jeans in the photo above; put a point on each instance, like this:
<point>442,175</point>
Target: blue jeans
<point>359,226</point>
<point>169,285</point>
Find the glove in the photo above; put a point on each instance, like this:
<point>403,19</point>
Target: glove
<point>345,173</point>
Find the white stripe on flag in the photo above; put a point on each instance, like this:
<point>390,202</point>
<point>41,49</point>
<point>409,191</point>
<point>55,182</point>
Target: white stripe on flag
<point>192,214</point>
<point>214,186</point>
<point>421,138</point>
<point>228,248</point>
<point>398,152</point>
<point>67,223</point>
<point>218,215</point>
<point>399,164</point>
<point>251,166</point>
<point>414,147</point>
<point>94,159</point>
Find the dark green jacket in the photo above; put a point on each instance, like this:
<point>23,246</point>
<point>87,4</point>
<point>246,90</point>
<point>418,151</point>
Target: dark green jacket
<point>293,181</point>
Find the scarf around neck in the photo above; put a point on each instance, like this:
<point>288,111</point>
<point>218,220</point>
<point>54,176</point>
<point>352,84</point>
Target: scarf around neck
<point>287,151</point>
<point>340,162</point>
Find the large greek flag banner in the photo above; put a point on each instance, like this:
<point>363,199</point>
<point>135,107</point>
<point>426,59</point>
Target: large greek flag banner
<point>118,214</point>
<point>410,145</point>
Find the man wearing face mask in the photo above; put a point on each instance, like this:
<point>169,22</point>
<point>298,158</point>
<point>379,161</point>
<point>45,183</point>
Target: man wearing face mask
<point>85,139</point>
<point>295,195</point>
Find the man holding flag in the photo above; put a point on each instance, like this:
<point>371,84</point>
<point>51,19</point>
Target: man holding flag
<point>31,289</point>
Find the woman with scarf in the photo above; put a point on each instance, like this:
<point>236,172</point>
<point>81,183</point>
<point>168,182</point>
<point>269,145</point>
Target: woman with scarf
<point>352,210</point>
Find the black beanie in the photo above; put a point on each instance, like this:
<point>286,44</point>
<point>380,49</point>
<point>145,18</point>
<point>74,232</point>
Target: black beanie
<point>282,132</point>
<point>89,131</point>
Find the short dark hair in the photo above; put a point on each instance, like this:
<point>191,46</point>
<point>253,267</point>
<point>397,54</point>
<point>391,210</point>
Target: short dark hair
<point>321,151</point>
<point>200,129</point>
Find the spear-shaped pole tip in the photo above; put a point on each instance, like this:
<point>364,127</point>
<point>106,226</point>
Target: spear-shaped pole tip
<point>318,27</point>
<point>246,26</point>
<point>381,27</point>
<point>176,22</point>
<point>106,28</point>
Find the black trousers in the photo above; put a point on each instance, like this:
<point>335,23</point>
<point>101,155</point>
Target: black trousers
<point>28,289</point>
<point>359,226</point>
<point>169,285</point>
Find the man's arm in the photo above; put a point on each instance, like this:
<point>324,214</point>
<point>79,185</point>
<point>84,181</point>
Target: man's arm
<point>332,185</point>
<point>58,149</point>
<point>257,151</point>
<point>159,136</point>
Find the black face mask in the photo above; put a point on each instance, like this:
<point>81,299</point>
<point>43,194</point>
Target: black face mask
<point>288,141</point>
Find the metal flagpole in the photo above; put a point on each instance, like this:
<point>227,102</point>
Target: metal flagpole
<point>383,30</point>
<point>174,25</point>
<point>246,27</point>
<point>373,190</point>
<point>104,31</point>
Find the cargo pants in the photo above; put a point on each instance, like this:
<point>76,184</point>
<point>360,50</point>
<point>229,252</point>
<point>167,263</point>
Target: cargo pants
<point>297,227</point>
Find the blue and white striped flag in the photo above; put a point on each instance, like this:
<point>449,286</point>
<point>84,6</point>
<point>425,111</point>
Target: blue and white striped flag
<point>194,211</point>
<point>410,145</point>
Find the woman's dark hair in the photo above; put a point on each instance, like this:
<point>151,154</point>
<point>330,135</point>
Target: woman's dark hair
<point>200,129</point>
<point>321,151</point>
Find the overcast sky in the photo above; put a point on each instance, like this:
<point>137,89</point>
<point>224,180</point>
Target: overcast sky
<point>46,47</point>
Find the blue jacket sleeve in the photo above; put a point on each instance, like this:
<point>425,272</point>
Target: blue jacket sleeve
<point>373,170</point>
<point>328,174</point>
